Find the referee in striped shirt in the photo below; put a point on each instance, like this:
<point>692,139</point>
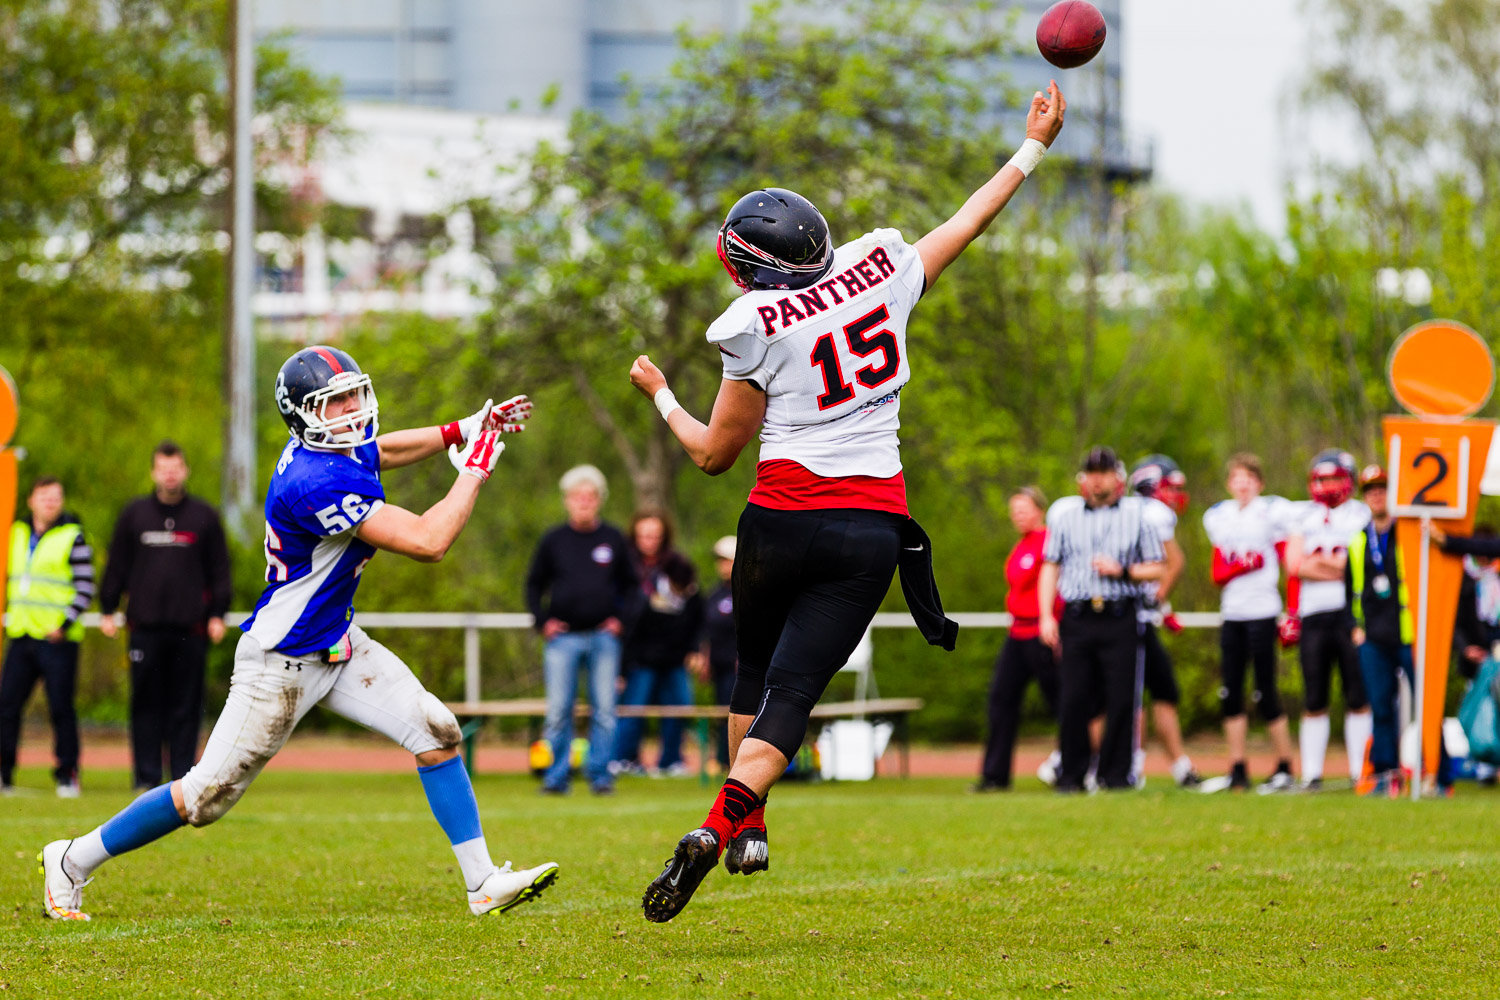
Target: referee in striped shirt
<point>1099,551</point>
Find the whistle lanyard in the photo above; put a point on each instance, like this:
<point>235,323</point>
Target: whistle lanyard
<point>1377,547</point>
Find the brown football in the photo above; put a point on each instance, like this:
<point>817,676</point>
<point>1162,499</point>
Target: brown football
<point>1070,33</point>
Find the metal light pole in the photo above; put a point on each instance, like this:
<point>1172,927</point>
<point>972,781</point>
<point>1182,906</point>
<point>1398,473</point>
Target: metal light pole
<point>239,451</point>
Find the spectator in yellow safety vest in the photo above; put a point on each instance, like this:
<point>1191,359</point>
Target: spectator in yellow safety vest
<point>50,584</point>
<point>1376,591</point>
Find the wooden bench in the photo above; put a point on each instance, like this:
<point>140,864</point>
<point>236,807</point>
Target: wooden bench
<point>471,716</point>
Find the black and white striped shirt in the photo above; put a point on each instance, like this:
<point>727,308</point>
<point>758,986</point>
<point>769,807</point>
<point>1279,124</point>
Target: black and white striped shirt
<point>81,559</point>
<point>1076,533</point>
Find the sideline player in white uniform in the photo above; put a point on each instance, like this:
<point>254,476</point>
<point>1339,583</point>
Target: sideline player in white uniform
<point>1162,487</point>
<point>1245,532</point>
<point>814,359</point>
<point>1317,553</point>
<point>326,516</point>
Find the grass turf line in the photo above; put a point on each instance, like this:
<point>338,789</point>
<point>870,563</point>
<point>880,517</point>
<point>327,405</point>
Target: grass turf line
<point>344,885</point>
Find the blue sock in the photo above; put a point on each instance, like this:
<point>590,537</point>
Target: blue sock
<point>452,799</point>
<point>151,816</point>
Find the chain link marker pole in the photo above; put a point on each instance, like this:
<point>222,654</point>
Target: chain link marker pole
<point>1419,665</point>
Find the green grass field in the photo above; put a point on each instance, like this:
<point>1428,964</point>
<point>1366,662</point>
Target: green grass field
<point>343,885</point>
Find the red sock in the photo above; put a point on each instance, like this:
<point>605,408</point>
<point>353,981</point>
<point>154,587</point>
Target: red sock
<point>755,819</point>
<point>734,803</point>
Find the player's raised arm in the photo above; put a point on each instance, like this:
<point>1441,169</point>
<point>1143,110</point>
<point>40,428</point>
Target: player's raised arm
<point>427,537</point>
<point>713,447</point>
<point>399,448</point>
<point>942,246</point>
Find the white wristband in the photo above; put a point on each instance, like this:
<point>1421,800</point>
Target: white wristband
<point>665,402</point>
<point>1028,156</point>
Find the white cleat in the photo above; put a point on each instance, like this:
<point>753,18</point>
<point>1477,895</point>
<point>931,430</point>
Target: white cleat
<point>504,888</point>
<point>68,790</point>
<point>1047,769</point>
<point>1278,782</point>
<point>62,898</point>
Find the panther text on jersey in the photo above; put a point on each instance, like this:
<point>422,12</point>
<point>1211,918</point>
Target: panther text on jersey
<point>832,361</point>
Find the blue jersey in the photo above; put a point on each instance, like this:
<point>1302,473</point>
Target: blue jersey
<point>313,559</point>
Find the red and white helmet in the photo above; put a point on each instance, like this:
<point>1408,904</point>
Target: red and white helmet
<point>1159,477</point>
<point>1330,477</point>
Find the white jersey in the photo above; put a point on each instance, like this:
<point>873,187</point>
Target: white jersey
<point>1327,532</point>
<point>1244,531</point>
<point>1163,520</point>
<point>831,358</point>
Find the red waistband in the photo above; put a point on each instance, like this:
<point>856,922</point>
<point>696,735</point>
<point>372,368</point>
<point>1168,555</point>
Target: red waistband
<point>782,484</point>
<point>1025,628</point>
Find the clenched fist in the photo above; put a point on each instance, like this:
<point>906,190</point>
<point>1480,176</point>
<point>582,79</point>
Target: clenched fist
<point>647,377</point>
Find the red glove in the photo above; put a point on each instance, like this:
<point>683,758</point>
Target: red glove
<point>508,417</point>
<point>479,457</point>
<point>1226,568</point>
<point>1170,622</point>
<point>1289,630</point>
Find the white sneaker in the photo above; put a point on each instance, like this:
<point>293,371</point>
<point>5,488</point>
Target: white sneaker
<point>62,898</point>
<point>1278,782</point>
<point>1183,774</point>
<point>68,789</point>
<point>1047,769</point>
<point>678,770</point>
<point>1138,769</point>
<point>505,888</point>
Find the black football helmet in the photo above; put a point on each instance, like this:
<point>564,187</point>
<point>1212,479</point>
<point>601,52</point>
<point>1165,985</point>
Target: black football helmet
<point>1159,477</point>
<point>308,381</point>
<point>775,238</point>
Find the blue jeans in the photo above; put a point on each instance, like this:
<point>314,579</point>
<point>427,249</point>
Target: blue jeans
<point>1379,663</point>
<point>646,686</point>
<point>597,652</point>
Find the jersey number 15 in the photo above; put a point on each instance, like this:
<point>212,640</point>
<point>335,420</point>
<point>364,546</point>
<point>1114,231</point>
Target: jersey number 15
<point>862,344</point>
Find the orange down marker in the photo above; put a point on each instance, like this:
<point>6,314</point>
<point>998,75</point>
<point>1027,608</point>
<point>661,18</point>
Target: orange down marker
<point>1441,372</point>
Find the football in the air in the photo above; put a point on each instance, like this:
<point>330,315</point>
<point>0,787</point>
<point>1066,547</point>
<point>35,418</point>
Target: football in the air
<point>1070,33</point>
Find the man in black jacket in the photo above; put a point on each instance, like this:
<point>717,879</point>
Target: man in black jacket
<point>169,555</point>
<point>582,590</point>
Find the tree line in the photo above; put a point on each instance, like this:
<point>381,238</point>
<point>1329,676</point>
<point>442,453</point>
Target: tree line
<point>1093,311</point>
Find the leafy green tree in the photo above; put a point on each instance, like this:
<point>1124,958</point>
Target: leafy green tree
<point>114,154</point>
<point>1148,325</point>
<point>114,149</point>
<point>1420,82</point>
<point>877,112</point>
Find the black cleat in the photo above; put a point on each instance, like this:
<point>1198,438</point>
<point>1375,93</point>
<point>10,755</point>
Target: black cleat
<point>1239,778</point>
<point>696,855</point>
<point>749,852</point>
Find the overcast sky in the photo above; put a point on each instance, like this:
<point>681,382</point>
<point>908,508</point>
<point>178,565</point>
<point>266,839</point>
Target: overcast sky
<point>1207,80</point>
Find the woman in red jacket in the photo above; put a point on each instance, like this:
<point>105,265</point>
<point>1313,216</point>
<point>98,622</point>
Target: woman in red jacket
<point>1023,657</point>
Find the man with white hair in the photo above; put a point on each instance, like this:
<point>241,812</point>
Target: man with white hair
<point>582,589</point>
